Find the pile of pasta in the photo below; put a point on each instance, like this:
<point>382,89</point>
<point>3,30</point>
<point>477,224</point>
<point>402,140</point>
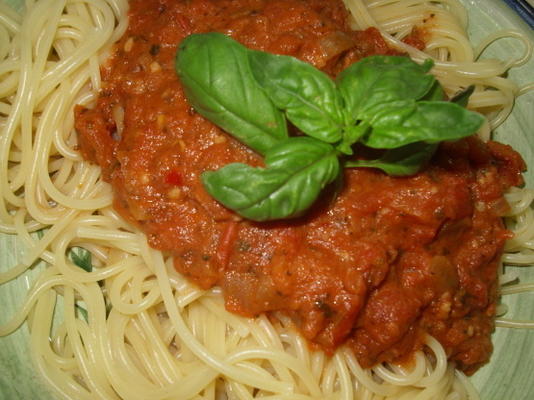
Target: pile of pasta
<point>109,317</point>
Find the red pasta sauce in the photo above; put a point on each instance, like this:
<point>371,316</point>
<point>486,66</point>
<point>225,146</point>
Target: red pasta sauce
<point>377,267</point>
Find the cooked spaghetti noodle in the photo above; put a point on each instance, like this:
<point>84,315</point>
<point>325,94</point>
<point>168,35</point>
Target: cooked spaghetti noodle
<point>130,327</point>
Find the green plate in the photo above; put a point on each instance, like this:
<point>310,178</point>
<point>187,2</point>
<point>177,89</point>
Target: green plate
<point>510,375</point>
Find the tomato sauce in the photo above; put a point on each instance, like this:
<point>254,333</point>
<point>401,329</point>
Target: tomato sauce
<point>376,267</point>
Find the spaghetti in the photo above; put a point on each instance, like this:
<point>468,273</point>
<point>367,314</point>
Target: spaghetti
<point>131,327</point>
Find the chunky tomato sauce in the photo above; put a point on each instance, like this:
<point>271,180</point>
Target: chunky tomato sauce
<point>386,261</point>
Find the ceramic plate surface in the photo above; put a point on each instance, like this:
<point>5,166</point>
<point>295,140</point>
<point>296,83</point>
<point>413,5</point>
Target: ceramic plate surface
<point>509,375</point>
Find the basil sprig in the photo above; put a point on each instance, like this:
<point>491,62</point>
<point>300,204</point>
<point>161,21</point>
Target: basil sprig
<point>383,102</point>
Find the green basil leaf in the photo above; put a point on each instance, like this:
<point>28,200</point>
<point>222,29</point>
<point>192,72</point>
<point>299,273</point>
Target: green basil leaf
<point>215,73</point>
<point>402,123</point>
<point>436,93</point>
<point>307,95</point>
<point>296,172</point>
<point>377,80</point>
<point>462,98</point>
<point>405,160</point>
<point>81,258</point>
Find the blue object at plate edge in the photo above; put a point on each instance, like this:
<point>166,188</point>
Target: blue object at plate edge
<point>524,9</point>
